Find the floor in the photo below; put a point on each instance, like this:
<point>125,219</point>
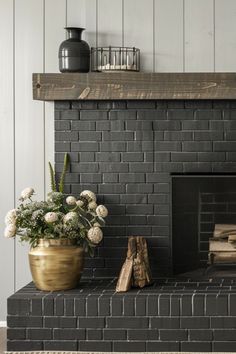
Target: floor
<point>2,340</point>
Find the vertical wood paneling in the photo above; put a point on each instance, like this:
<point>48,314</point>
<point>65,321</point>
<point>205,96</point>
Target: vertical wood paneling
<point>6,148</point>
<point>109,22</point>
<point>54,31</point>
<point>76,13</point>
<point>199,36</point>
<point>168,35</point>
<point>29,142</point>
<point>138,29</point>
<point>225,29</point>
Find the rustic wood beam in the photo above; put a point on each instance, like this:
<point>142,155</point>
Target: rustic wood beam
<point>134,86</point>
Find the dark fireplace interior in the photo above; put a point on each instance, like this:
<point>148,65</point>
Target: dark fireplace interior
<point>198,203</point>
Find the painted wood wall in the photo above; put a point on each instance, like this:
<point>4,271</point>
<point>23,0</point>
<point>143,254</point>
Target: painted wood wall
<point>173,35</point>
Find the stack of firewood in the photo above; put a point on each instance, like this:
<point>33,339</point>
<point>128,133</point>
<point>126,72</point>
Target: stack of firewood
<point>135,270</point>
<point>222,247</point>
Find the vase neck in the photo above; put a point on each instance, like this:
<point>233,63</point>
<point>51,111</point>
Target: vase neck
<point>74,32</point>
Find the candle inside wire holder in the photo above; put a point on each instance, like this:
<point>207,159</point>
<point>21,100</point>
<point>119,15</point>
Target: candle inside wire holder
<point>115,59</point>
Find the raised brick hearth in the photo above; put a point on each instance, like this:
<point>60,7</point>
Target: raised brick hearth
<point>131,153</point>
<point>171,315</point>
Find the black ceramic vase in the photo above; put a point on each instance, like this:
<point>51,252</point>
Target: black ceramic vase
<point>74,53</point>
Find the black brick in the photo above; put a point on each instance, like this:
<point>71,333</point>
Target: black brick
<point>127,322</point>
<point>180,114</point>
<point>90,136</point>
<point>165,322</point>
<point>209,114</point>
<point>80,306</point>
<point>178,136</point>
<point>143,334</point>
<point>62,125</point>
<point>62,345</point>
<point>161,346</point>
<point>167,146</point>
<point>138,125</point>
<point>94,334</point>
<point>22,321</point>
<point>197,146</point>
<point>108,156</point>
<point>195,125</point>
<point>173,334</point>
<point>16,333</point>
<point>151,114</point>
<point>117,136</point>
<point>196,346</point>
<point>195,322</point>
<point>200,335</point>
<point>129,306</point>
<point>39,333</point>
<point>129,346</point>
<point>84,126</point>
<point>140,308</point>
<point>166,125</point>
<point>212,135</point>
<point>183,156</point>
<point>91,322</point>
<point>102,125</point>
<point>224,146</point>
<point>18,306</point>
<point>123,115</point>
<point>117,125</point>
<point>92,305</point>
<point>68,334</point>
<point>61,105</point>
<point>104,346</point>
<point>139,104</point>
<point>84,146</point>
<point>114,334</point>
<point>224,346</point>
<point>93,115</point>
<point>113,146</point>
<point>70,115</point>
<point>23,345</point>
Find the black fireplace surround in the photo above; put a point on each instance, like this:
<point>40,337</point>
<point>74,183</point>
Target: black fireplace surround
<point>150,163</point>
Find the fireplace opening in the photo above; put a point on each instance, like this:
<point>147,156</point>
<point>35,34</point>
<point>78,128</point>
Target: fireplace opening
<point>199,202</point>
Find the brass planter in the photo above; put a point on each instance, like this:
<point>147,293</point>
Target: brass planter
<point>56,264</point>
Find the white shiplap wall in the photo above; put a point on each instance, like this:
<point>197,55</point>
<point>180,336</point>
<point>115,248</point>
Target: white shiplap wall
<point>173,35</point>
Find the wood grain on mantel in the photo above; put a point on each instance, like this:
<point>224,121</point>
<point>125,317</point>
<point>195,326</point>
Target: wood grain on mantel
<point>133,86</point>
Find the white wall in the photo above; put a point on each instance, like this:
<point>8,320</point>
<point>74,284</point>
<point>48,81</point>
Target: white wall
<point>173,35</point>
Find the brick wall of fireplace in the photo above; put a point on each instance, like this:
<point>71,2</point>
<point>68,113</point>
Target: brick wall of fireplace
<point>127,153</point>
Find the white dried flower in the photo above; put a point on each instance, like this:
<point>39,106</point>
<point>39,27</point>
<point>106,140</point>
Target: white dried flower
<point>27,193</point>
<point>90,196</point>
<point>10,218</point>
<point>71,216</point>
<point>80,203</point>
<point>10,231</point>
<point>51,217</point>
<point>92,205</point>
<point>96,224</point>
<point>101,211</point>
<point>71,200</point>
<point>95,235</point>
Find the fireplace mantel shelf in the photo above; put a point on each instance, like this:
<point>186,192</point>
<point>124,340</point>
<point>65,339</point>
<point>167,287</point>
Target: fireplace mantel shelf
<point>133,86</point>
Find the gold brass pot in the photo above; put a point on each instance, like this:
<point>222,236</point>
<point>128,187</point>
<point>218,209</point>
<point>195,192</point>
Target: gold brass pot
<point>56,264</point>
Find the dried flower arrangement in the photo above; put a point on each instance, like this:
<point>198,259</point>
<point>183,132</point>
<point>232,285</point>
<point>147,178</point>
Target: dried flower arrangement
<point>58,217</point>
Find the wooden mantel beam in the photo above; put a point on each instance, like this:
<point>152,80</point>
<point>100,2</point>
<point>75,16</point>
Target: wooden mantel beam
<point>134,86</point>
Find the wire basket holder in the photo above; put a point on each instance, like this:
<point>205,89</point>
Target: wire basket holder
<point>115,59</point>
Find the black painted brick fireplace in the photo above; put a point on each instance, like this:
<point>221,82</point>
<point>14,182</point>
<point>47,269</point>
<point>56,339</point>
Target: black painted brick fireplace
<point>130,153</point>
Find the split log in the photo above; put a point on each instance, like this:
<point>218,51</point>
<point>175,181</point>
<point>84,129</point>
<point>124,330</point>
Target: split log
<point>224,230</point>
<point>135,270</point>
